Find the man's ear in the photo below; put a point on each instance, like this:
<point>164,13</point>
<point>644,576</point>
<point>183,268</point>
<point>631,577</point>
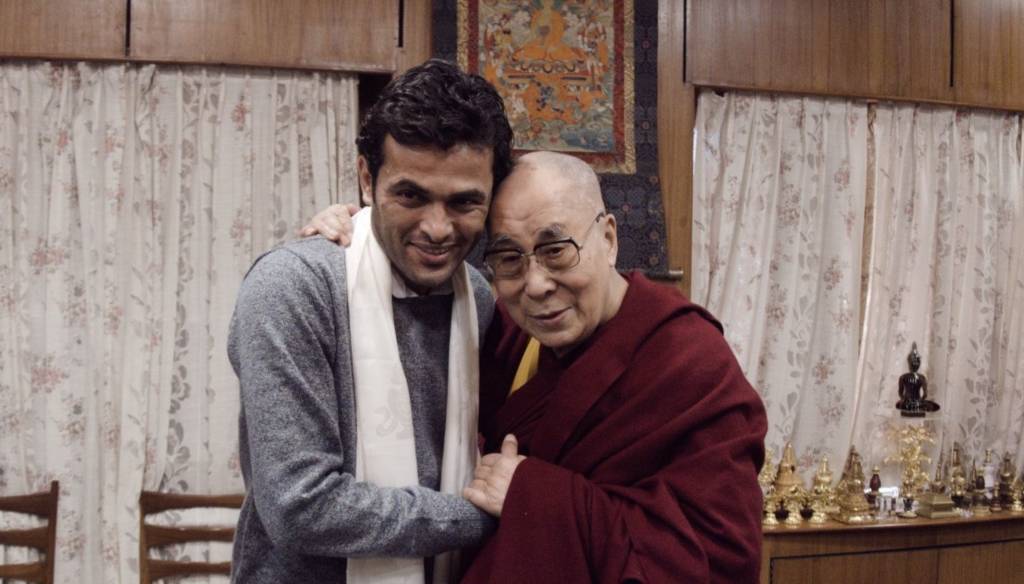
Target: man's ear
<point>611,238</point>
<point>365,181</point>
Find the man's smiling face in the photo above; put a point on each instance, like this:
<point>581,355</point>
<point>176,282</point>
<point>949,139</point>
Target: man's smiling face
<point>429,207</point>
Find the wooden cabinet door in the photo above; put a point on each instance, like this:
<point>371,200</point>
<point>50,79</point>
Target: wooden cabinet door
<point>902,567</point>
<point>764,44</point>
<point>891,48</point>
<point>989,52</point>
<point>70,29</point>
<point>995,562</point>
<point>353,35</point>
<point>874,48</point>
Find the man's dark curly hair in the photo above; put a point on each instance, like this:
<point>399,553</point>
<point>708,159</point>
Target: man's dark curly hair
<point>438,105</point>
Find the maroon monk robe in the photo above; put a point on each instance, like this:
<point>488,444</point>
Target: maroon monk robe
<point>643,448</point>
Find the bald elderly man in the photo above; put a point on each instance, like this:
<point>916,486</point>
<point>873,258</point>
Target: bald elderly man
<point>624,441</point>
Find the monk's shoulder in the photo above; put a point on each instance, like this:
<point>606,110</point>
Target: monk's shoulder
<point>683,344</point>
<point>689,333</point>
<point>662,314</point>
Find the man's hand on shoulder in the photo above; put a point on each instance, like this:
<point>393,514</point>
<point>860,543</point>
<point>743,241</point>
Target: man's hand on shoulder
<point>334,223</point>
<point>492,477</point>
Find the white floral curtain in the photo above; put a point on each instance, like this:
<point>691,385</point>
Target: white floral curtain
<point>781,189</point>
<point>947,272</point>
<point>779,192</point>
<point>132,201</point>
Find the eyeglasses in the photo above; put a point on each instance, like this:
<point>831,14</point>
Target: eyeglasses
<point>554,256</point>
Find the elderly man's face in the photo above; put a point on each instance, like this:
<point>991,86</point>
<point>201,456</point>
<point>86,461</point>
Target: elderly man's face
<point>429,208</point>
<point>560,309</point>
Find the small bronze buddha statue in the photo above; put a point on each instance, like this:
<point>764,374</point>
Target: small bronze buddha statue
<point>875,484</point>
<point>982,506</point>
<point>913,390</point>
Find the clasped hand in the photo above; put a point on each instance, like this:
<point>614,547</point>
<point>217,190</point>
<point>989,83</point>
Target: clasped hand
<point>492,477</point>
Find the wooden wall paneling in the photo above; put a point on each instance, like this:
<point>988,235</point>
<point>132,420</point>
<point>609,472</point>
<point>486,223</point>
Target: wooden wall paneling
<point>720,43</point>
<point>353,35</point>
<point>677,107</point>
<point>416,39</point>
<point>855,47</point>
<point>890,48</point>
<point>63,29</point>
<point>989,52</point>
<point>973,39</point>
<point>869,48</point>
<point>777,44</point>
<point>919,36</point>
<point>798,42</point>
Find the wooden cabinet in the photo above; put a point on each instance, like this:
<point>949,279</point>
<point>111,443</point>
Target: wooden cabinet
<point>989,52</point>
<point>80,29</point>
<point>924,551</point>
<point>349,35</point>
<point>779,44</point>
<point>883,48</point>
<point>965,52</point>
<point>354,35</point>
<point>918,567</point>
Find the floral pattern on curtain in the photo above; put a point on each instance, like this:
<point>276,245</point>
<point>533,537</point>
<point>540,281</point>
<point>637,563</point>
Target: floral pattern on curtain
<point>779,197</point>
<point>947,272</point>
<point>133,198</point>
<point>789,192</point>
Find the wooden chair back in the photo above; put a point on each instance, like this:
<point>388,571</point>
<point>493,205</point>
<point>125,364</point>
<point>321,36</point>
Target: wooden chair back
<point>150,536</point>
<point>42,538</point>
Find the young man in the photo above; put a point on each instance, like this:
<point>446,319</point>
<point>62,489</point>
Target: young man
<point>358,367</point>
<point>643,439</point>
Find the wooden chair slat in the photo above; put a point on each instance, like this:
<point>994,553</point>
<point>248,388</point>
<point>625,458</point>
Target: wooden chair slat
<point>159,569</point>
<point>34,537</point>
<point>154,502</point>
<point>35,504</point>
<point>151,536</point>
<point>159,535</point>
<point>34,572</point>
<point>42,538</point>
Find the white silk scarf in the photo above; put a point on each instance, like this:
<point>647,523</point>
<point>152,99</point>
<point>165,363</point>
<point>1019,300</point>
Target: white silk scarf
<point>386,451</point>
